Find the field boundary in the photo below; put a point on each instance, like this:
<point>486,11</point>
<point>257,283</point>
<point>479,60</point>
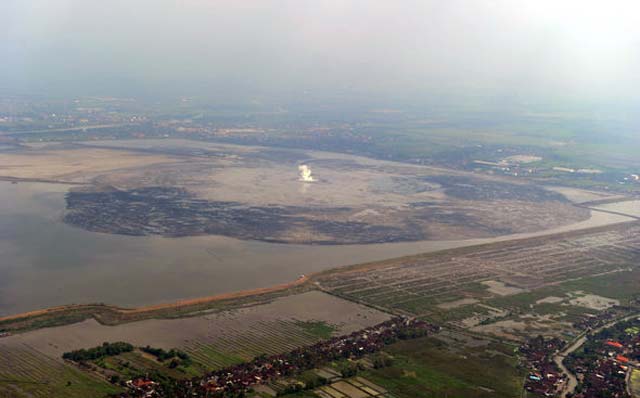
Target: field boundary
<point>110,314</point>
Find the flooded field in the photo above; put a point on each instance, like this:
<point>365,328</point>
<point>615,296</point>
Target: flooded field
<point>283,319</point>
<point>44,262</point>
<point>213,340</point>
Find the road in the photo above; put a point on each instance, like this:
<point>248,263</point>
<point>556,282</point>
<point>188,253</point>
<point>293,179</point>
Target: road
<point>572,382</point>
<point>627,381</point>
<point>615,213</point>
<point>63,129</point>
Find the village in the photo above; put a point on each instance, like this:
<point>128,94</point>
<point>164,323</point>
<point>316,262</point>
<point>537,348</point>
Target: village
<point>238,380</point>
<point>601,363</point>
<point>544,378</point>
<point>605,362</point>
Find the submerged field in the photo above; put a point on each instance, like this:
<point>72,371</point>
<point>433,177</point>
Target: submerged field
<point>284,323</point>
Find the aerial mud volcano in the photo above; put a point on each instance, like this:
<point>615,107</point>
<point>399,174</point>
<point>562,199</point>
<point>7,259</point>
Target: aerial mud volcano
<point>267,195</point>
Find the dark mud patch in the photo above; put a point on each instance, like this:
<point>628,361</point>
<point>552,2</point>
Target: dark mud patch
<point>467,188</point>
<point>437,213</point>
<point>175,212</point>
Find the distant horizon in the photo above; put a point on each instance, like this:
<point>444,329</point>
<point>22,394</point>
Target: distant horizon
<point>539,51</point>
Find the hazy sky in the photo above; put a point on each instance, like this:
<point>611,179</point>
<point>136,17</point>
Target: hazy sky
<point>578,48</point>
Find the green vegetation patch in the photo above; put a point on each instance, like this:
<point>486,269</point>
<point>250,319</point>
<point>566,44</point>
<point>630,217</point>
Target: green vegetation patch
<point>132,364</point>
<point>105,350</point>
<point>318,329</point>
<point>25,373</point>
<point>459,313</point>
<point>71,384</point>
<point>428,367</point>
<point>209,357</point>
<point>622,286</point>
<point>417,306</point>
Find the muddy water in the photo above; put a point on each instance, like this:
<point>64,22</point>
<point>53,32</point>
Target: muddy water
<point>44,262</point>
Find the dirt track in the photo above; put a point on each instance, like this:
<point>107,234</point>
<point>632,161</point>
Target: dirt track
<point>182,304</point>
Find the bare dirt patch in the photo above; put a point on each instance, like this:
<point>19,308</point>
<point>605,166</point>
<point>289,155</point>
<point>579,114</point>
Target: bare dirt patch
<point>521,159</point>
<point>521,328</point>
<point>593,301</point>
<point>73,164</point>
<point>349,390</point>
<point>501,289</point>
<point>550,300</point>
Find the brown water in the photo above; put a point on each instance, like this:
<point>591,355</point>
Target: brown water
<point>44,262</point>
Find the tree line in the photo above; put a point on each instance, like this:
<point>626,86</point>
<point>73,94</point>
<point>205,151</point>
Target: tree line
<point>105,350</point>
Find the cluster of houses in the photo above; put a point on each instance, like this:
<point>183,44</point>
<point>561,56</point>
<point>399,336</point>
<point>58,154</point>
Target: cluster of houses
<point>594,321</point>
<point>234,381</point>
<point>589,322</point>
<point>605,364</point>
<point>142,387</point>
<point>543,377</point>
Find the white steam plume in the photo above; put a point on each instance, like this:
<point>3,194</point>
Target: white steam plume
<point>305,173</point>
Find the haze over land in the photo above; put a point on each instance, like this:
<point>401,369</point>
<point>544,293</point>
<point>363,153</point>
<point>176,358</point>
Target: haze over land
<point>279,51</point>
